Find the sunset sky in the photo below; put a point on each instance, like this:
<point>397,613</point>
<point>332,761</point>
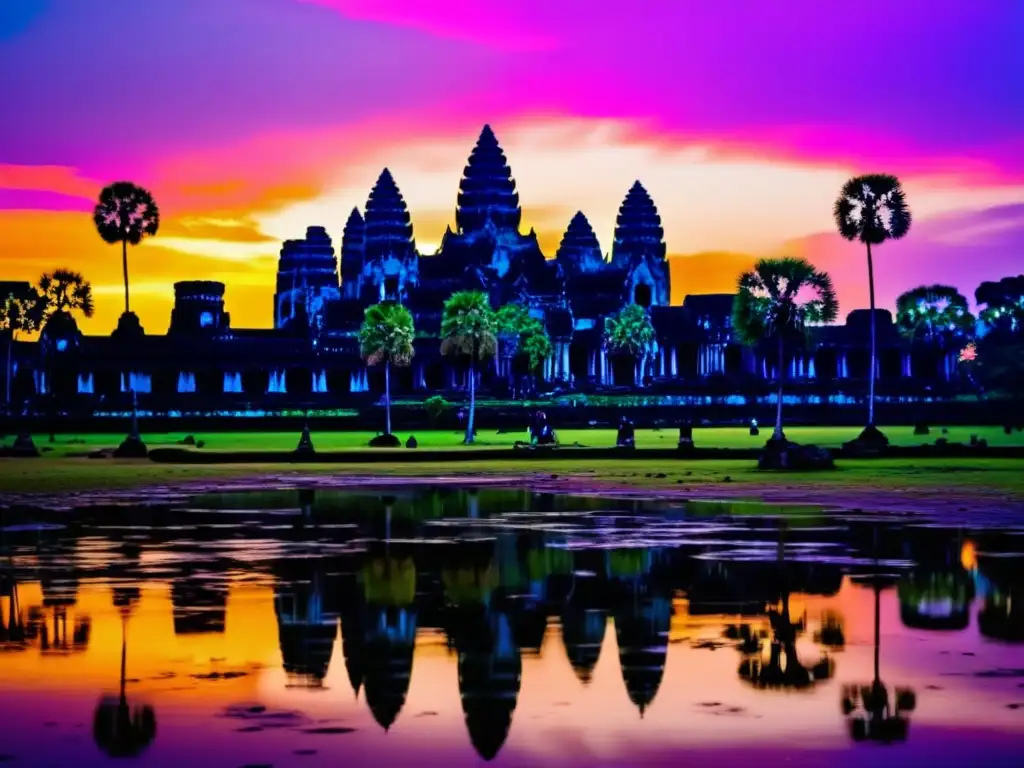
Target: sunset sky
<point>251,119</point>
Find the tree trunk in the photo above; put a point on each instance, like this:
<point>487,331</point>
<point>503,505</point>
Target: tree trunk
<point>878,634</point>
<point>778,434</point>
<point>874,351</point>
<point>387,394</point>
<point>124,655</point>
<point>7,379</point>
<point>472,401</point>
<point>124,266</point>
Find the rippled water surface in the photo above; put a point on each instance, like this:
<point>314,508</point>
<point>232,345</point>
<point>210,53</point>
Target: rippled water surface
<point>450,627</point>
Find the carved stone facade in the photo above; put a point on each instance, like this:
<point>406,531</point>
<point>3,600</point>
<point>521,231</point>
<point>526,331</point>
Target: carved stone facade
<point>312,352</point>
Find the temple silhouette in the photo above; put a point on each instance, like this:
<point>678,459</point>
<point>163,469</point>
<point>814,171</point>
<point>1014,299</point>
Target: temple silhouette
<point>322,291</point>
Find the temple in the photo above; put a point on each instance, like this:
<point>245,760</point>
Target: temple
<point>323,286</point>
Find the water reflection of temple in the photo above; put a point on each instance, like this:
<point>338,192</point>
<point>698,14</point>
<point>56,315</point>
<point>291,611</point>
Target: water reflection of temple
<point>200,605</point>
<point>501,594</point>
<point>307,623</point>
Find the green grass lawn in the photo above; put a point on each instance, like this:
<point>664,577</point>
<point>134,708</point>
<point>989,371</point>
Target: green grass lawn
<point>64,468</point>
<point>711,437</point>
<point>57,475</point>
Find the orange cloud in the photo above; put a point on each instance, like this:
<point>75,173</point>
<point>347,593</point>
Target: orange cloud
<point>47,178</point>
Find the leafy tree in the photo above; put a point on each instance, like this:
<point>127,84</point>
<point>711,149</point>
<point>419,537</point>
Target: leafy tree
<point>872,209</point>
<point>386,337</point>
<point>64,292</point>
<point>935,314</point>
<point>1003,301</point>
<point>21,311</point>
<point>469,327</point>
<point>630,331</point>
<point>435,405</point>
<point>520,333</point>
<point>125,213</point>
<point>778,301</point>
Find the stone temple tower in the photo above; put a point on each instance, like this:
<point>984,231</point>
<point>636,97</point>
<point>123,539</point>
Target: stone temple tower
<point>390,260</point>
<point>639,249</point>
<point>487,191</point>
<point>307,279</point>
<point>352,247</point>
<point>579,250</point>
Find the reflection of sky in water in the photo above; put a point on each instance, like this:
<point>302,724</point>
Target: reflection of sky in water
<point>246,642</point>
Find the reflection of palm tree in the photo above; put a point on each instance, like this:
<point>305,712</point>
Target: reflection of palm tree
<point>867,707</point>
<point>830,633</point>
<point>782,668</point>
<point>120,730</point>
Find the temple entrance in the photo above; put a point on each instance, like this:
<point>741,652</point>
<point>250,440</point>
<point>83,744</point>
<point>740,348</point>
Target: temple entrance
<point>391,288</point>
<point>623,370</point>
<point>642,295</point>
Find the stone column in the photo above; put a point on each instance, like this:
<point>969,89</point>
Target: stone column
<point>565,360</point>
<point>675,363</point>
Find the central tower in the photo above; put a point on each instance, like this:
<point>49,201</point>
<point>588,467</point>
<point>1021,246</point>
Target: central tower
<point>487,191</point>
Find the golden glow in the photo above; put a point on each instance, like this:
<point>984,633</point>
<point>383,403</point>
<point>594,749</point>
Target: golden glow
<point>968,556</point>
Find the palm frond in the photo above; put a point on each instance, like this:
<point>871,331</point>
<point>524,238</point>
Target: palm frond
<point>782,296</point>
<point>872,209</point>
<point>387,334</point>
<point>125,212</point>
<point>468,325</point>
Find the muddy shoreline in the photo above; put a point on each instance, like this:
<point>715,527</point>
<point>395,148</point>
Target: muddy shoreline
<point>956,506</point>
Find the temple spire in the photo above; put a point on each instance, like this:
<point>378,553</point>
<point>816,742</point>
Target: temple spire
<point>487,192</point>
<point>579,250</point>
<point>388,227</point>
<point>352,242</point>
<point>390,260</point>
<point>638,230</point>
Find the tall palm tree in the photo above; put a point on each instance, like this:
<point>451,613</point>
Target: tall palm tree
<point>630,331</point>
<point>386,337</point>
<point>64,292</point>
<point>125,213</point>
<point>872,209</point>
<point>468,327</point>
<point>21,311</point>
<point>778,301</point>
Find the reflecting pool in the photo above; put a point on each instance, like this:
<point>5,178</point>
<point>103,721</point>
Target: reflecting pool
<point>443,626</point>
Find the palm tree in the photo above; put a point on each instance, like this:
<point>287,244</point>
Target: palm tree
<point>120,730</point>
<point>870,713</point>
<point>125,213</point>
<point>21,311</point>
<point>936,315</point>
<point>386,336</point>
<point>630,331</point>
<point>468,327</point>
<point>63,292</point>
<point>779,300</point>
<point>872,209</point>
